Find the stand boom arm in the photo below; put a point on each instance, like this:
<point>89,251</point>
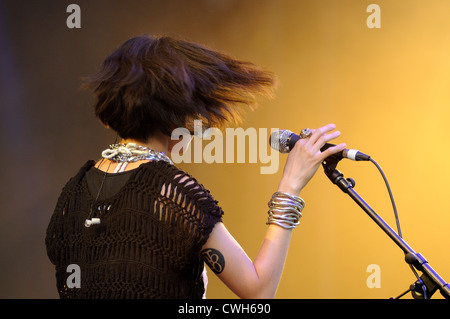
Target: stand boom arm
<point>431,279</point>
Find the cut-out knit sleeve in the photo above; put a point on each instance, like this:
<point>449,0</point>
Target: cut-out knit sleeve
<point>185,201</point>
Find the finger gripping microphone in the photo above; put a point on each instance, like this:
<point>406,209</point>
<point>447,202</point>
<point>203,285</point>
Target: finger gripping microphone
<point>284,141</point>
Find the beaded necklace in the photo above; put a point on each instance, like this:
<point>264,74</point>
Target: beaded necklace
<point>131,152</point>
<point>124,154</point>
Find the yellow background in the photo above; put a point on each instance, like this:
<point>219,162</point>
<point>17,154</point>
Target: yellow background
<point>387,90</point>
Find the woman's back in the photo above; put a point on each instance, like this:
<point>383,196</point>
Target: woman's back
<point>148,241</point>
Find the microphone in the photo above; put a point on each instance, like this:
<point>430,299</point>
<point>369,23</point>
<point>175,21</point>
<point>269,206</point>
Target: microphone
<point>284,140</point>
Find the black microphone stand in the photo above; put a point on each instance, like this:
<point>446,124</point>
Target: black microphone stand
<point>429,281</point>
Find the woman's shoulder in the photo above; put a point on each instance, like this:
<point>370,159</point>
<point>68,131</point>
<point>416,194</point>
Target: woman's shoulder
<point>167,172</point>
<point>76,179</point>
<point>175,183</point>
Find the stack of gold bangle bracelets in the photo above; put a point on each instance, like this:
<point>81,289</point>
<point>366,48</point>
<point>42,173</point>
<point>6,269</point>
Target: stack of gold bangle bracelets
<point>285,210</point>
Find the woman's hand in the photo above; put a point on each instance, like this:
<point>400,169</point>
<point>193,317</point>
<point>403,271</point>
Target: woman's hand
<point>304,159</point>
<point>260,278</point>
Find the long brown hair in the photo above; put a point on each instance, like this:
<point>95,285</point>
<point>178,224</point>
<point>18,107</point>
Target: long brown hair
<point>161,83</point>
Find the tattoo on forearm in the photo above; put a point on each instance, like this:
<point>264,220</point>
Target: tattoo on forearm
<point>214,259</point>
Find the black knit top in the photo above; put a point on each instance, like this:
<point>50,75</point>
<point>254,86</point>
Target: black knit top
<point>148,242</point>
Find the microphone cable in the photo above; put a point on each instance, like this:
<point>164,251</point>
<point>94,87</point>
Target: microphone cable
<point>398,221</point>
<point>390,195</point>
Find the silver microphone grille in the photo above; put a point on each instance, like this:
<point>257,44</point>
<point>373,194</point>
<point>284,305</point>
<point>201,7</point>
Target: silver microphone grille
<point>279,140</point>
